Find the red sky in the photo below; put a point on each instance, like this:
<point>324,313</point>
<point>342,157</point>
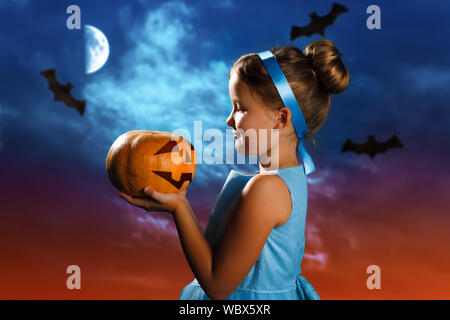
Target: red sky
<point>394,215</point>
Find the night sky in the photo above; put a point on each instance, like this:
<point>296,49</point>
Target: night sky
<point>168,67</point>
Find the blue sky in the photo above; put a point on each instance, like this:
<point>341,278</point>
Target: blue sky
<point>169,63</point>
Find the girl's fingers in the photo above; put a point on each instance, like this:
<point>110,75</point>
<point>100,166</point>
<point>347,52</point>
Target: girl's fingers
<point>128,198</point>
<point>155,195</point>
<point>146,204</point>
<point>124,195</point>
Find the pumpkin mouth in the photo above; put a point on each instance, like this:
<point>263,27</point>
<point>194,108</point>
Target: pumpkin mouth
<point>167,175</point>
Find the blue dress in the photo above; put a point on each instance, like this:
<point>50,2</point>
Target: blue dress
<point>276,273</point>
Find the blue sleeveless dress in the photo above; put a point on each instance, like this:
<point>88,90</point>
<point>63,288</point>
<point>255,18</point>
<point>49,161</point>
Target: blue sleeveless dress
<point>276,273</point>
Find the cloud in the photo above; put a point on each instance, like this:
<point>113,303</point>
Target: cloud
<point>155,87</point>
<point>6,112</point>
<point>150,222</point>
<point>316,258</point>
<point>426,77</point>
<point>322,185</point>
<point>364,84</point>
<point>149,228</point>
<point>152,231</point>
<point>13,3</point>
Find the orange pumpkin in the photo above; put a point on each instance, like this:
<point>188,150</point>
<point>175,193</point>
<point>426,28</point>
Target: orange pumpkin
<point>163,161</point>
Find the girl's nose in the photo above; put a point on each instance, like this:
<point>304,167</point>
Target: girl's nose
<point>230,120</point>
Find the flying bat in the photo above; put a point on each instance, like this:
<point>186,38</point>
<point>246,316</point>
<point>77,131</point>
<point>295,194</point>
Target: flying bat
<point>318,24</point>
<point>62,92</point>
<point>372,147</point>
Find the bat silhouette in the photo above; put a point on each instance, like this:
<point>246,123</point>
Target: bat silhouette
<point>372,147</point>
<point>318,24</point>
<point>62,92</point>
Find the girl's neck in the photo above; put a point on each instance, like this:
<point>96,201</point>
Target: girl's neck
<point>285,160</point>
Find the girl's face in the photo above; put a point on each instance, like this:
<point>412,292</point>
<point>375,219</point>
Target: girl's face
<point>247,118</point>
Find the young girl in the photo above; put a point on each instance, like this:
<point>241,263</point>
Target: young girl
<point>254,242</point>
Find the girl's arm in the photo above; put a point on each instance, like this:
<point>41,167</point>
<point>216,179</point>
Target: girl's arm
<point>196,248</point>
<point>265,203</point>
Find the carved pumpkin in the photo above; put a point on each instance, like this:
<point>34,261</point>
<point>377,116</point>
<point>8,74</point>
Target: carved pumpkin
<point>163,161</point>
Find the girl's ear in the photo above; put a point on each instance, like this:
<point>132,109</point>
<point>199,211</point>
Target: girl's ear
<point>283,117</point>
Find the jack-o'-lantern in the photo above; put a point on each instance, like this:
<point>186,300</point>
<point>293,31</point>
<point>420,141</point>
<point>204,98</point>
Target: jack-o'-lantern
<point>163,161</point>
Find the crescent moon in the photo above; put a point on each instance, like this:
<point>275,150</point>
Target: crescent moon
<point>96,48</point>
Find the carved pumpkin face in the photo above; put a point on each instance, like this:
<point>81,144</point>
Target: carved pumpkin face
<point>163,161</point>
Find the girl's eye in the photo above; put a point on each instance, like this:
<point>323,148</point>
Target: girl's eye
<point>239,109</point>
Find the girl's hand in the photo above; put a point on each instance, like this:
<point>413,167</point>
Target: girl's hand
<point>157,201</point>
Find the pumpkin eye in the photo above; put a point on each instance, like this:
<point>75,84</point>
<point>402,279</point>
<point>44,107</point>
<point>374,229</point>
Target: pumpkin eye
<point>173,146</point>
<point>170,146</point>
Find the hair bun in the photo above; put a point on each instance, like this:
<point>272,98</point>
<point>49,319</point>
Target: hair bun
<point>332,75</point>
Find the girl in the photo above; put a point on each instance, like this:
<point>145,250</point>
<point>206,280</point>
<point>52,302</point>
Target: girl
<point>254,242</point>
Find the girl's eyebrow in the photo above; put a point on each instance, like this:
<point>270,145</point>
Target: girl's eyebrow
<point>242,105</point>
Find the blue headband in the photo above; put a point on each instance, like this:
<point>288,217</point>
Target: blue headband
<point>289,100</point>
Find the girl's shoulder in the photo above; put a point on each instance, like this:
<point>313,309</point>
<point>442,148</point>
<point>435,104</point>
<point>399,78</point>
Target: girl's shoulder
<point>269,188</point>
